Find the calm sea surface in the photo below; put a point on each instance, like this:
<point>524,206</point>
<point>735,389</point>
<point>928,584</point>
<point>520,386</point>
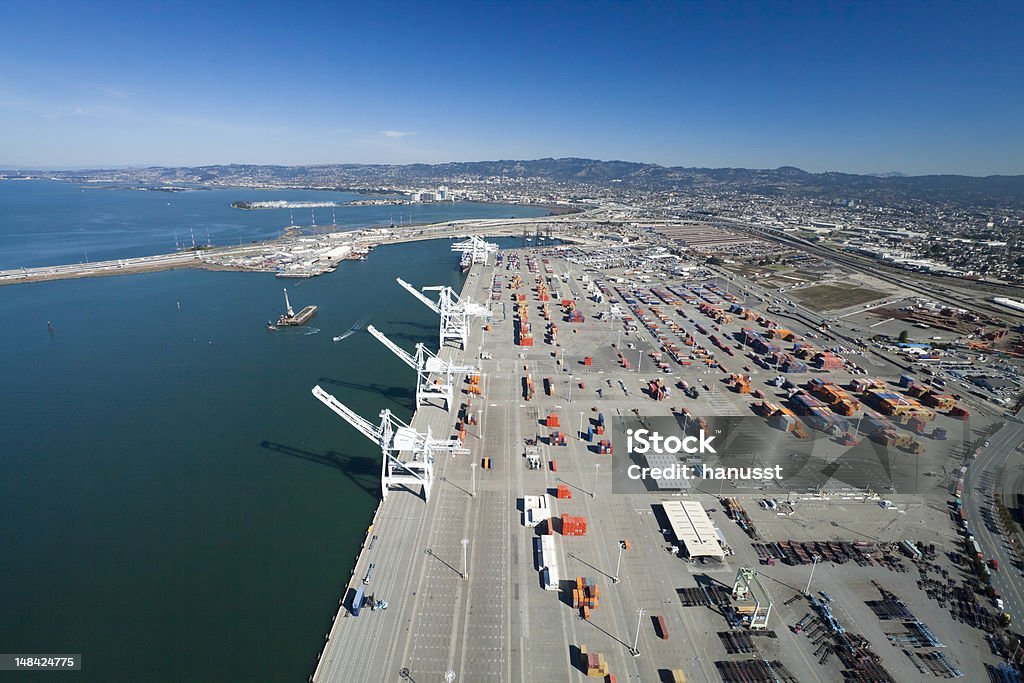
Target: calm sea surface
<point>174,503</point>
<point>46,222</point>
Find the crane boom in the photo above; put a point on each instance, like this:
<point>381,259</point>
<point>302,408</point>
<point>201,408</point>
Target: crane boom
<point>426,363</point>
<point>454,310</point>
<point>416,293</point>
<point>406,357</point>
<point>407,455</point>
<point>364,426</point>
<point>476,247</point>
<point>465,305</point>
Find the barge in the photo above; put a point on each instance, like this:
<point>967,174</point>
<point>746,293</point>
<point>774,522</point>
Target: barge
<point>290,317</point>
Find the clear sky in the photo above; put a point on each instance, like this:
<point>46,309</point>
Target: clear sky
<point>917,87</point>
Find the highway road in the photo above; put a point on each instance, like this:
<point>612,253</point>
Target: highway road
<point>982,476</point>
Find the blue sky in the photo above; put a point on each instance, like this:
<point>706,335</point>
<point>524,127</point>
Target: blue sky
<point>862,87</point>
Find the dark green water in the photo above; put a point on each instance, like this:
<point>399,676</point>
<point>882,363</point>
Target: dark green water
<point>174,503</point>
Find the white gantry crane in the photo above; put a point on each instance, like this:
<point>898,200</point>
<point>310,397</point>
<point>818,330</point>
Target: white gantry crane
<point>407,455</point>
<point>427,363</point>
<point>454,310</point>
<point>477,248</point>
<point>746,589</point>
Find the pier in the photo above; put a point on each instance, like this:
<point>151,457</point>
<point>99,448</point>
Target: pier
<point>292,256</point>
<point>498,623</point>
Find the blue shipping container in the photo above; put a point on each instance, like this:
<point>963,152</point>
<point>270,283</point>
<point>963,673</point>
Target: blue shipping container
<point>357,602</point>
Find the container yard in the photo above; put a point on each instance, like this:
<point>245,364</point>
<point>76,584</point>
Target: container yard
<point>501,548</point>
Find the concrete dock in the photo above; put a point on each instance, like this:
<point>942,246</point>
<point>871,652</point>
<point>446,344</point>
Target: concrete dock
<point>500,624</point>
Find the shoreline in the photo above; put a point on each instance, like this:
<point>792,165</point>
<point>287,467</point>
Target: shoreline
<point>332,249</point>
<point>555,209</point>
<point>395,500</point>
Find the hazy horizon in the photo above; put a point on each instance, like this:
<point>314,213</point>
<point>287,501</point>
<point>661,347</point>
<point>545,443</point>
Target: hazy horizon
<point>126,167</point>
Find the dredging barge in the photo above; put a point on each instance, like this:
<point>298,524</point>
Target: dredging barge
<point>290,317</point>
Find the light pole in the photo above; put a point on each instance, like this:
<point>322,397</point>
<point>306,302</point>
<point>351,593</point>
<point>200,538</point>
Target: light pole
<point>581,426</point>
<point>618,562</point>
<point>814,563</point>
<point>896,526</point>
<point>636,641</point>
<point>465,558</point>
<point>472,468</point>
<point>597,469</point>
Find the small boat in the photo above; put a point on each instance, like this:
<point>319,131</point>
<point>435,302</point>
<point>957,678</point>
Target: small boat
<point>271,326</point>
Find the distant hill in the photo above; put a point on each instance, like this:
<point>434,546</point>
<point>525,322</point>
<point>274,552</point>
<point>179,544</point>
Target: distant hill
<point>990,191</point>
<point>1005,191</point>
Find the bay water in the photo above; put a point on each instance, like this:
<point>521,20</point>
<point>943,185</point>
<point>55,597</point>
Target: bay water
<point>175,505</point>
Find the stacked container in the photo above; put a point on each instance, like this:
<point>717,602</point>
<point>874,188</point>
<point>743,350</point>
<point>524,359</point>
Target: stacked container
<point>574,526</point>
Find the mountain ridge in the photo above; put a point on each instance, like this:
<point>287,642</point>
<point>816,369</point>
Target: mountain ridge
<point>993,190</point>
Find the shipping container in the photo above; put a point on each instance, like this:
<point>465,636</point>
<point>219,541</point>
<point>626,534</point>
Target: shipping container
<point>357,602</point>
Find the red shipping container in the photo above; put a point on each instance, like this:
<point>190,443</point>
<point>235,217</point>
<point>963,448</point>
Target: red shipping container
<point>659,624</point>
